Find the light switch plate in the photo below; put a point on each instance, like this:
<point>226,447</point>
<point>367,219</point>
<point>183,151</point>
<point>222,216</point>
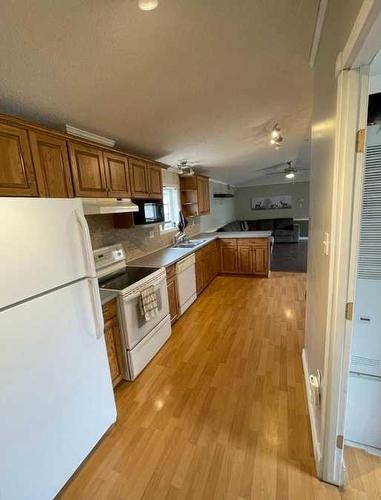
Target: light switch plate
<point>326,244</point>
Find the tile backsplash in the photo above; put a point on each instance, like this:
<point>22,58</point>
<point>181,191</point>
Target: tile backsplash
<point>137,241</point>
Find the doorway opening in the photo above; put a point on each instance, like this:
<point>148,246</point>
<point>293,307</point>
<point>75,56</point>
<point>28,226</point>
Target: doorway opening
<point>363,408</point>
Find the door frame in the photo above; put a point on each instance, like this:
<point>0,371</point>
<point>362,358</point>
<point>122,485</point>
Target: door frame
<point>352,71</point>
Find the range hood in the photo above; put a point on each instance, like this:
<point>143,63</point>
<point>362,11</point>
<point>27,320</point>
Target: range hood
<point>92,206</point>
<point>223,195</point>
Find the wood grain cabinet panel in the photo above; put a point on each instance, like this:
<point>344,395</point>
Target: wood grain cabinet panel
<point>260,261</point>
<point>228,259</point>
<point>17,176</point>
<point>139,181</point>
<point>245,259</point>
<point>88,171</point>
<point>113,342</point>
<point>155,183</point>
<point>207,266</point>
<point>203,195</point>
<point>52,166</point>
<point>117,175</point>
<point>173,298</point>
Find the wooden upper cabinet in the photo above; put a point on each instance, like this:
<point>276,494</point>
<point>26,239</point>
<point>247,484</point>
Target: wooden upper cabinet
<point>17,177</point>
<point>51,161</point>
<point>155,182</point>
<point>203,195</point>
<point>139,181</point>
<point>117,175</point>
<point>89,178</point>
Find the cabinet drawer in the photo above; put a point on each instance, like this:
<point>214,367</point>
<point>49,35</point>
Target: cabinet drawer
<point>109,310</point>
<point>256,242</point>
<point>228,242</point>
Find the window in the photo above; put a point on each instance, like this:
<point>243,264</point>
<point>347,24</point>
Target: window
<point>171,207</point>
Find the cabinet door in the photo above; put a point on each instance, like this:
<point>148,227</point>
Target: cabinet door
<point>117,175</point>
<point>17,177</point>
<point>155,182</point>
<point>173,299</point>
<point>51,161</point>
<point>260,261</point>
<point>139,181</point>
<point>200,195</point>
<point>88,171</point>
<point>200,276</point>
<point>203,195</point>
<point>245,260</point>
<point>112,334</point>
<point>206,197</point>
<point>228,256</point>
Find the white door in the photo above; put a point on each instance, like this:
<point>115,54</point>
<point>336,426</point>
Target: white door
<point>44,243</point>
<point>56,397</point>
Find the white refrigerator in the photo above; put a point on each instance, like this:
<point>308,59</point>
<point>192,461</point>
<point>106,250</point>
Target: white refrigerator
<point>56,396</point>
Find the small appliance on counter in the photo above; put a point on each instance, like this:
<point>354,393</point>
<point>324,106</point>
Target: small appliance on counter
<point>144,331</point>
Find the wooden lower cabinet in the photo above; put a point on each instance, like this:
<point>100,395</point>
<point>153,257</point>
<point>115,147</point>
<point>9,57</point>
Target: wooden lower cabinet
<point>173,298</point>
<point>207,266</point>
<point>245,256</point>
<point>113,342</point>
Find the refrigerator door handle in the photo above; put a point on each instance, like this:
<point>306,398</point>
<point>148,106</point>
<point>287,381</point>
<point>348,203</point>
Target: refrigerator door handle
<point>90,265</point>
<point>97,307</point>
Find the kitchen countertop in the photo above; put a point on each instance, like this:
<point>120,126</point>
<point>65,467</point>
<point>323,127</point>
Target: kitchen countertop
<point>169,256</point>
<point>107,296</point>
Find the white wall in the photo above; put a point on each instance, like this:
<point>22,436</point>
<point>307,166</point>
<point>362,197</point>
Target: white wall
<point>299,191</point>
<point>340,17</point>
<point>222,210</point>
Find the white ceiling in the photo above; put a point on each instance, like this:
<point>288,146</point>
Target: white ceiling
<point>197,79</point>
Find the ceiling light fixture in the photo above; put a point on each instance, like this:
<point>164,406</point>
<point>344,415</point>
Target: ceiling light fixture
<point>275,131</point>
<point>290,175</point>
<point>276,137</point>
<point>148,4</point>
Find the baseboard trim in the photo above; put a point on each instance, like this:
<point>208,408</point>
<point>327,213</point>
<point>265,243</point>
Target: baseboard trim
<point>311,412</point>
<point>369,449</point>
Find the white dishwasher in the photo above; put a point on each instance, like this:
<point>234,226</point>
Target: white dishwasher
<point>186,282</point>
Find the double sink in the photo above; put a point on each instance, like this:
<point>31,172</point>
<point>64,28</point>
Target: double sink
<point>188,244</point>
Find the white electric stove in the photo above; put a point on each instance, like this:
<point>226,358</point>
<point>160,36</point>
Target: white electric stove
<point>141,338</point>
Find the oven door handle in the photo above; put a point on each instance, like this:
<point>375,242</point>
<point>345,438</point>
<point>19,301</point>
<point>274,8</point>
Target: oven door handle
<point>136,293</point>
<point>97,307</point>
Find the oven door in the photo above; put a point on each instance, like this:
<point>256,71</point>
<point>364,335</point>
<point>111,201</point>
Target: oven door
<point>135,326</point>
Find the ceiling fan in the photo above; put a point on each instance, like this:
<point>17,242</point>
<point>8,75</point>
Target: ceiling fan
<point>184,168</point>
<point>289,170</point>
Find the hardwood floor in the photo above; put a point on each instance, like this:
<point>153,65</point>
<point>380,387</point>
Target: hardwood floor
<point>220,413</point>
<point>364,474</point>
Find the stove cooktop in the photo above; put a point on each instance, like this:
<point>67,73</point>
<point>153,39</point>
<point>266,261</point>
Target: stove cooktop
<point>126,278</point>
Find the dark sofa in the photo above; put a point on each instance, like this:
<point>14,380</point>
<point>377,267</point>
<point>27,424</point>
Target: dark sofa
<point>284,230</point>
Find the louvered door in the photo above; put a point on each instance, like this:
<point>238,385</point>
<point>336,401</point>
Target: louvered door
<point>366,342</point>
